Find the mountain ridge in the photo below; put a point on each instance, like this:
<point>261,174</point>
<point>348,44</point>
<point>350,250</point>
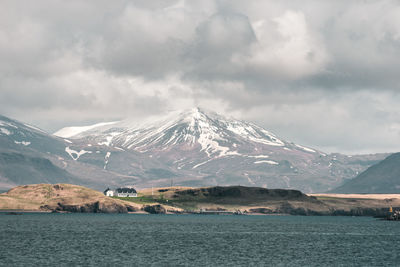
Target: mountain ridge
<point>31,155</point>
<point>201,148</point>
<point>196,122</point>
<point>381,178</point>
<point>185,148</point>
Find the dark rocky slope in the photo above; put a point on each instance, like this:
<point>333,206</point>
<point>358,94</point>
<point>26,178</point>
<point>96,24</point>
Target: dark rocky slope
<point>381,178</point>
<point>240,195</point>
<point>18,168</point>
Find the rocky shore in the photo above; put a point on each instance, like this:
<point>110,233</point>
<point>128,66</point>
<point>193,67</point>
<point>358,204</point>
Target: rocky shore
<point>256,200</point>
<point>66,198</point>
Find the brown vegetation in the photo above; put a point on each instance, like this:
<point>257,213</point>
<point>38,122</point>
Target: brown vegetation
<point>251,200</point>
<point>62,197</point>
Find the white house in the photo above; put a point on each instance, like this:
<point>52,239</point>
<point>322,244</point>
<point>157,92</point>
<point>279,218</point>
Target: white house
<point>121,192</point>
<point>108,192</point>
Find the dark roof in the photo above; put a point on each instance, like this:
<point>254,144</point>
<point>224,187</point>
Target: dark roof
<point>105,191</point>
<point>126,190</point>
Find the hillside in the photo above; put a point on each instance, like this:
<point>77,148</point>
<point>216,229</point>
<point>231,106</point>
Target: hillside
<point>29,155</point>
<point>24,168</point>
<point>25,153</point>
<point>62,197</point>
<point>383,177</point>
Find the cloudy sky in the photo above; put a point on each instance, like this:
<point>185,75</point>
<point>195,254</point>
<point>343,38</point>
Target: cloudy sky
<point>320,73</point>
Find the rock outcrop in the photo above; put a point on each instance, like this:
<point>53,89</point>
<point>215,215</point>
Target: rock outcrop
<point>95,207</point>
<point>155,209</point>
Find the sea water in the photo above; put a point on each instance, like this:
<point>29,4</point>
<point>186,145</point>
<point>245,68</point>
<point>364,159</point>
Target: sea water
<point>196,240</point>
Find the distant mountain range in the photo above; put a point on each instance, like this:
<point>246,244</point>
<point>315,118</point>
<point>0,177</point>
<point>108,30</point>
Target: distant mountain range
<point>189,148</point>
<point>383,177</point>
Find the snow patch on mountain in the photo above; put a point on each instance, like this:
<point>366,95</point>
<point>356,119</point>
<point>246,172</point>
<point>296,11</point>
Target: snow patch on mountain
<point>75,154</point>
<point>25,143</point>
<point>306,148</point>
<point>5,131</point>
<point>210,146</point>
<point>69,132</point>
<point>106,159</point>
<point>200,164</point>
<point>254,133</point>
<point>109,139</point>
<point>257,156</point>
<point>249,179</point>
<point>271,162</point>
<point>8,124</point>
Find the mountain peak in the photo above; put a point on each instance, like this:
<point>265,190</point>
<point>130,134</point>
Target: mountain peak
<point>192,114</point>
<point>216,135</point>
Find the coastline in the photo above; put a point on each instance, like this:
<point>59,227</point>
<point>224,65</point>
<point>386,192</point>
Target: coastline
<point>221,200</point>
<point>25,211</point>
<point>357,196</point>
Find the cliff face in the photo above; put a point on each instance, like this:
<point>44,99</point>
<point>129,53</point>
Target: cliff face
<point>63,197</point>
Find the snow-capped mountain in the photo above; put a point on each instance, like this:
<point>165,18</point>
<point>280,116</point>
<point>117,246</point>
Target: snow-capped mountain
<point>217,136</point>
<point>15,134</point>
<point>23,155</point>
<point>199,148</point>
<point>29,155</point>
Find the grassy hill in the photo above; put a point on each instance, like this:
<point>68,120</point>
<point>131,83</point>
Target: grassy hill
<point>62,197</point>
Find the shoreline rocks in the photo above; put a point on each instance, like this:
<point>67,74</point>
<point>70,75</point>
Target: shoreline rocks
<point>155,209</point>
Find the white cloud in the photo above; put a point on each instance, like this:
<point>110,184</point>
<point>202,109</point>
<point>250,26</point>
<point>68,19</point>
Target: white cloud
<point>286,47</point>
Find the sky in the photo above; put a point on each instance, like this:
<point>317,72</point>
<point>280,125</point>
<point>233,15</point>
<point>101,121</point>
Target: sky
<point>325,74</point>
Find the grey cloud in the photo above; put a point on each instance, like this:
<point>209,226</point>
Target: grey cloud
<point>217,40</point>
<point>308,70</point>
